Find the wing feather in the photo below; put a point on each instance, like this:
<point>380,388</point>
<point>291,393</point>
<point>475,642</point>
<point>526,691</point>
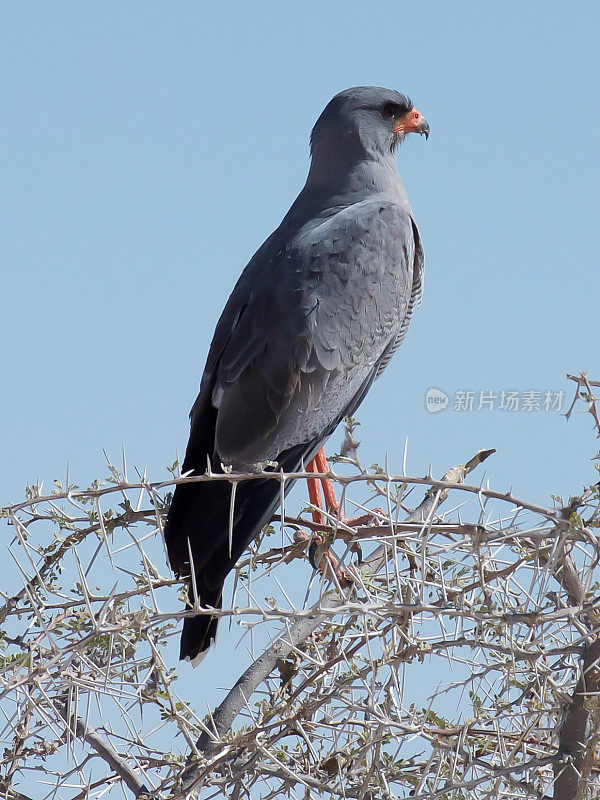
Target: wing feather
<point>331,306</point>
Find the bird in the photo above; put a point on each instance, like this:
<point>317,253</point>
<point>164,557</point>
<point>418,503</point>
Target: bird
<point>314,318</point>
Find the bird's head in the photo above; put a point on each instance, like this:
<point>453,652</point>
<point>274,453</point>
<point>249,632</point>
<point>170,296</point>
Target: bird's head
<point>365,120</point>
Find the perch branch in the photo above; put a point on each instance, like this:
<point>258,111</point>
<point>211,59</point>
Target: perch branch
<point>224,715</point>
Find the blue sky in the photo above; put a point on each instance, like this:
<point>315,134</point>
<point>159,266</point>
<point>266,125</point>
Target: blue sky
<point>149,148</point>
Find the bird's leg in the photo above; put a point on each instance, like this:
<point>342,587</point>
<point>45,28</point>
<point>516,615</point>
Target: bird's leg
<point>320,554</point>
<point>314,494</point>
<point>332,504</point>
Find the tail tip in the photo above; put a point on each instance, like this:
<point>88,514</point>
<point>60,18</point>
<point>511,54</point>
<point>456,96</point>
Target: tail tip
<point>197,637</point>
<point>195,660</point>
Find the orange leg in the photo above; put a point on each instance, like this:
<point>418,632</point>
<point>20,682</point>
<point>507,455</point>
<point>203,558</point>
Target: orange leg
<point>319,465</point>
<point>314,493</point>
<point>332,504</point>
<point>331,501</point>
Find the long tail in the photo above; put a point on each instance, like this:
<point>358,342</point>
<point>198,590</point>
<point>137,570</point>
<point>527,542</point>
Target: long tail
<point>198,538</point>
<point>199,632</point>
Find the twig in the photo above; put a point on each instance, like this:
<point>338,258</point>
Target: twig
<point>238,697</point>
<point>115,761</point>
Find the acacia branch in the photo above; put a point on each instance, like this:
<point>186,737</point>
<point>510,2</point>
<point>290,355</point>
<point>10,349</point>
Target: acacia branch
<point>579,731</point>
<point>578,737</point>
<point>238,697</point>
<point>12,794</point>
<point>509,596</point>
<point>104,749</point>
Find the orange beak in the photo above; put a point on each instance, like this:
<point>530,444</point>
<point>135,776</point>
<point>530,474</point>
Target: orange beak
<point>412,122</point>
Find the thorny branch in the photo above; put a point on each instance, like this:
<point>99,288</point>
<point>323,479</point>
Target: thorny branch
<point>461,661</point>
<point>115,761</point>
<point>224,716</point>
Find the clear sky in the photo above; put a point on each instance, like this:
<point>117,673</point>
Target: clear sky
<point>148,148</point>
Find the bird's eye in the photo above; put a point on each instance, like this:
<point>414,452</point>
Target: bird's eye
<point>390,110</point>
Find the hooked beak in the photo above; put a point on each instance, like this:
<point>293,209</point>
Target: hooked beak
<point>412,122</point>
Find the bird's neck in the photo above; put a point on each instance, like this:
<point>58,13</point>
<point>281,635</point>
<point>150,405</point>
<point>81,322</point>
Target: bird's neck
<point>330,184</point>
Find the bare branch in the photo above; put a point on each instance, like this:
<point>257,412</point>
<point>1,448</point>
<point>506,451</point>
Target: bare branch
<point>116,762</point>
<point>225,714</point>
<point>447,650</point>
